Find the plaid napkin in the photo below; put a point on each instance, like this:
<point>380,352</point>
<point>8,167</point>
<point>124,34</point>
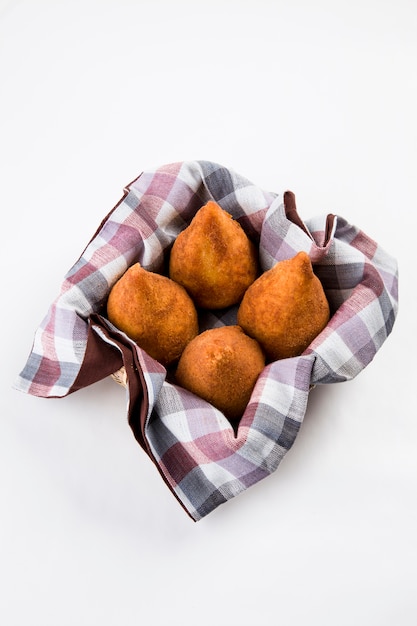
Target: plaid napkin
<point>199,455</point>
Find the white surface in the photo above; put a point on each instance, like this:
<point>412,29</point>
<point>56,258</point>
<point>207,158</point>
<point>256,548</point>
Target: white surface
<point>317,97</point>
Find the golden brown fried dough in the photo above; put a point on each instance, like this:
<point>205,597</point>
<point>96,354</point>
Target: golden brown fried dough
<point>154,311</point>
<point>221,365</point>
<point>285,308</point>
<point>214,259</point>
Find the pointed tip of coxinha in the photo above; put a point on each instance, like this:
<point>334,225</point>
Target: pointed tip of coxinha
<point>302,263</point>
<point>138,273</point>
<point>212,212</point>
<point>211,205</point>
<point>299,265</point>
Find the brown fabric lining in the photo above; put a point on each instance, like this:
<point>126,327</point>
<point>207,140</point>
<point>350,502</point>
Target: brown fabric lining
<point>103,359</point>
<point>100,360</point>
<point>292,215</point>
<point>291,211</point>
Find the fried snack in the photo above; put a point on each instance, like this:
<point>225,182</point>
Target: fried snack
<point>221,365</point>
<point>154,311</point>
<point>285,308</point>
<point>214,259</point>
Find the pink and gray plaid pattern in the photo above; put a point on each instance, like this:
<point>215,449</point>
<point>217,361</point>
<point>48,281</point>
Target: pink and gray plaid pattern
<point>200,457</point>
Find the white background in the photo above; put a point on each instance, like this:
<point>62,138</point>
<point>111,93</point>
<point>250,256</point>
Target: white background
<point>318,97</point>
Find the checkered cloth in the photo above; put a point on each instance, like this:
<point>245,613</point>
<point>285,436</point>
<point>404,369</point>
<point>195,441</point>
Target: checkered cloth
<point>201,458</point>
